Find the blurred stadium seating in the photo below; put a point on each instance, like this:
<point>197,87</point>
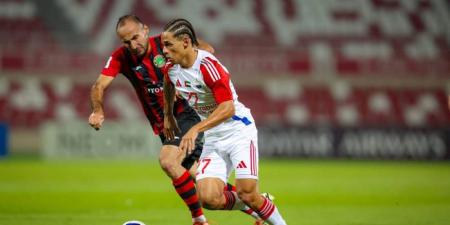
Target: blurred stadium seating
<point>341,63</point>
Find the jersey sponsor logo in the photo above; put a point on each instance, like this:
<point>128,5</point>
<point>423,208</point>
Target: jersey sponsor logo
<point>206,109</point>
<point>187,83</point>
<point>155,90</point>
<point>241,165</point>
<point>159,61</point>
<point>178,83</point>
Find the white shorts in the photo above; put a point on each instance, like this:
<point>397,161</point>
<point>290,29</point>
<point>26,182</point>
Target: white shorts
<point>236,151</point>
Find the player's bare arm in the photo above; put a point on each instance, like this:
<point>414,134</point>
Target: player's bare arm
<point>170,124</point>
<point>224,111</point>
<point>97,91</point>
<point>205,46</point>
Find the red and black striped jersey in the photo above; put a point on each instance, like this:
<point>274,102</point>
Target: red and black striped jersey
<point>147,78</point>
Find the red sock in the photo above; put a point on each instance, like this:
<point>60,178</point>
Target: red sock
<point>230,187</point>
<point>230,200</point>
<point>185,188</point>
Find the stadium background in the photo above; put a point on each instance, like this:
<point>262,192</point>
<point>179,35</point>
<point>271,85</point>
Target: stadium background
<point>325,79</point>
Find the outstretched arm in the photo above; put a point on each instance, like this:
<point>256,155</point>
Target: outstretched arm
<point>97,91</point>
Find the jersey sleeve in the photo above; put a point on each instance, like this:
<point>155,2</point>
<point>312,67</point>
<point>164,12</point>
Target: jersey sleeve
<point>217,79</point>
<point>113,64</point>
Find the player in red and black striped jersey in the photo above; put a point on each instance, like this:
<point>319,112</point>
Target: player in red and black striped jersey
<point>140,60</point>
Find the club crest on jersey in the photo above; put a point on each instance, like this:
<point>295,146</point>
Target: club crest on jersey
<point>159,61</point>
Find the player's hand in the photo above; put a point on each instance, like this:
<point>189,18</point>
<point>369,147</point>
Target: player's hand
<point>96,120</point>
<point>188,141</point>
<point>170,127</point>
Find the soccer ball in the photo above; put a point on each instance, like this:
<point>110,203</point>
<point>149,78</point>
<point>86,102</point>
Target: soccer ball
<point>133,222</point>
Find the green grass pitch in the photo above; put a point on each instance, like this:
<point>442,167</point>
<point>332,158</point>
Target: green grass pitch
<point>313,192</point>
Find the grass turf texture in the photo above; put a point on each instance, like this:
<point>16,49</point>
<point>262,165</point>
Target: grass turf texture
<point>307,192</point>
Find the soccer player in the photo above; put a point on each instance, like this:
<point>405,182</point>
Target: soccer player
<point>230,131</point>
<point>140,60</point>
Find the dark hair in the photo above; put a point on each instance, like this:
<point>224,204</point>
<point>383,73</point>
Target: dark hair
<point>180,27</point>
<point>125,18</point>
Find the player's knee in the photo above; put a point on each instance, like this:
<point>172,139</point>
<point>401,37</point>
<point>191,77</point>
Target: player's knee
<point>248,197</point>
<point>167,163</point>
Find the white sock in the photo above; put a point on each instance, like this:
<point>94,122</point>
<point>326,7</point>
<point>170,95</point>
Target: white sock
<point>201,218</point>
<point>269,213</point>
<point>251,212</point>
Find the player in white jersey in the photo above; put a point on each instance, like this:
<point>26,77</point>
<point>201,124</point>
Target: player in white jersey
<point>230,132</point>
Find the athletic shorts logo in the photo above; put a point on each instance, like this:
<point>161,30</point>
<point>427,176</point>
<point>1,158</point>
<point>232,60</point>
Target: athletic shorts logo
<point>241,165</point>
<point>159,61</point>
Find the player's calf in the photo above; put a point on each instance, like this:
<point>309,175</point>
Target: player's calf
<point>252,199</point>
<point>184,186</point>
<point>212,203</point>
<point>246,190</point>
<point>170,161</point>
<point>211,193</point>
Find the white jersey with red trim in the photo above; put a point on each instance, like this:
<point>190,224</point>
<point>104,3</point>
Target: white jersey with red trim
<point>207,84</point>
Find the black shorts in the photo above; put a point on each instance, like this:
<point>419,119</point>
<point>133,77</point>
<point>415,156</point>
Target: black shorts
<point>186,120</point>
